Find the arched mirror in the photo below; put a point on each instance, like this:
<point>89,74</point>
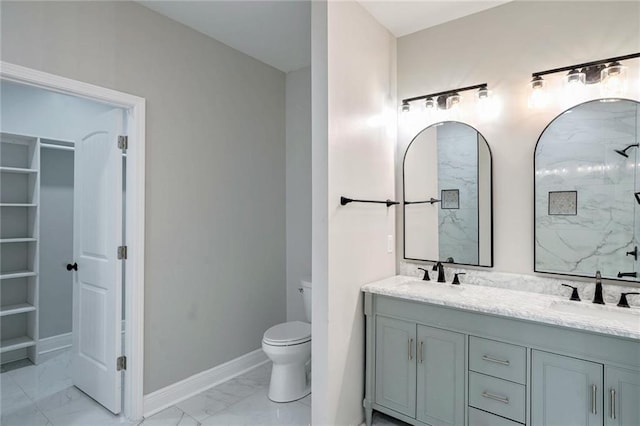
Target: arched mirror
<point>587,204</point>
<point>448,196</point>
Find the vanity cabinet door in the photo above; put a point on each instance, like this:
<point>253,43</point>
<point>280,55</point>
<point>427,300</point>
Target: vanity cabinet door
<point>440,370</point>
<point>396,365</point>
<point>565,391</point>
<point>622,397</point>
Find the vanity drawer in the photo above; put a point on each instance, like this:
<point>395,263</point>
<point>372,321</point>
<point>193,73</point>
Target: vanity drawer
<point>482,418</point>
<point>498,359</point>
<point>497,396</point>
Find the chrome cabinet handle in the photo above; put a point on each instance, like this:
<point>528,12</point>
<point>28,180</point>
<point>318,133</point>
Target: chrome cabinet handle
<point>410,349</point>
<point>421,351</point>
<point>498,398</point>
<point>613,403</point>
<point>594,393</point>
<point>497,361</point>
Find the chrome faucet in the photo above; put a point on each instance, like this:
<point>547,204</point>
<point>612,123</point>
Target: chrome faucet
<point>597,297</point>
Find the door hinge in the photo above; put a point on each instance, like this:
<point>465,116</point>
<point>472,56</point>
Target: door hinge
<point>123,142</point>
<point>122,252</point>
<point>121,363</point>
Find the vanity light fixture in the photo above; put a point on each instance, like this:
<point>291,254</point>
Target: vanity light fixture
<point>430,103</point>
<point>614,79</point>
<point>444,100</point>
<point>609,72</point>
<point>483,93</point>
<point>453,100</point>
<point>575,77</point>
<point>538,97</point>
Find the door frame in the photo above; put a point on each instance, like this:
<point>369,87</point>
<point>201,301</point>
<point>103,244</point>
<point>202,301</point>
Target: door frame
<point>134,214</point>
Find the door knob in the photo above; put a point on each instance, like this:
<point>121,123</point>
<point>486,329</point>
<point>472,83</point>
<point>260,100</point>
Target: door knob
<point>70,266</point>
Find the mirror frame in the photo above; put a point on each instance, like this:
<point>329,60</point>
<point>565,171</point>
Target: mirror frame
<point>404,205</point>
<point>535,210</point>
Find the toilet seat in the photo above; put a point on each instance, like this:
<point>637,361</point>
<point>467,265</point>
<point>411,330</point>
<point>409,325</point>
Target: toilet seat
<point>288,334</point>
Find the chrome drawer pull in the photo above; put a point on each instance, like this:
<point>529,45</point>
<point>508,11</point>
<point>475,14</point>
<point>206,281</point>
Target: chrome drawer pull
<point>410,349</point>
<point>421,352</point>
<point>498,398</point>
<point>613,403</point>
<point>594,394</point>
<point>497,361</point>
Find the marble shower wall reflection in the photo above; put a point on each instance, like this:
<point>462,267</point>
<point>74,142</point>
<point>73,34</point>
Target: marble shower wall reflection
<point>586,215</point>
<point>458,173</point>
<point>449,162</point>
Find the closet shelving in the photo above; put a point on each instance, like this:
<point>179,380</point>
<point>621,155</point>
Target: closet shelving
<point>20,180</point>
<point>19,245</point>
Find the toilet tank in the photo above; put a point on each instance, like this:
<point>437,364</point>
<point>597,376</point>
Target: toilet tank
<point>306,297</point>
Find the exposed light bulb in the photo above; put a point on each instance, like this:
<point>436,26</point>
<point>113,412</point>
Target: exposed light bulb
<point>430,103</point>
<point>453,100</point>
<point>574,87</point>
<point>575,78</point>
<point>614,79</point>
<point>405,107</point>
<point>488,106</point>
<point>538,97</point>
<point>483,93</point>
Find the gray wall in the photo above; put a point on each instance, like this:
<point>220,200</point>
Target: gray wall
<point>215,170</point>
<point>56,241</point>
<point>298,188</point>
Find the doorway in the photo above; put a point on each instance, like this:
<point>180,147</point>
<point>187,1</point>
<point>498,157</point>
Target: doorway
<point>100,246</point>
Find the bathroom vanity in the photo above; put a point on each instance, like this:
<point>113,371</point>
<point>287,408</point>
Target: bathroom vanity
<point>439,354</point>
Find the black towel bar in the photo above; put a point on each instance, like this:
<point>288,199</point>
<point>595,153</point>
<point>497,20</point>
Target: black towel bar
<point>344,201</point>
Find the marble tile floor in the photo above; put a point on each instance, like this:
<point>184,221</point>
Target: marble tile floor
<point>43,395</point>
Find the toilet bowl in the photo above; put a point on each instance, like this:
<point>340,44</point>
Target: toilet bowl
<point>288,346</point>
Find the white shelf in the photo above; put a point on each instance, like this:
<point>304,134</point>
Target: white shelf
<point>17,343</point>
<point>16,309</point>
<point>21,163</point>
<point>17,274</point>
<point>17,240</point>
<point>17,170</point>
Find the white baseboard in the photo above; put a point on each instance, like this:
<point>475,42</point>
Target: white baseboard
<point>50,347</point>
<point>54,343</point>
<point>12,356</point>
<point>184,389</point>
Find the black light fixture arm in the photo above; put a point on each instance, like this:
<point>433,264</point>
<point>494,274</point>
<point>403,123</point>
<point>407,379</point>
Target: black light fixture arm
<point>586,64</point>
<point>344,201</point>
<point>446,92</point>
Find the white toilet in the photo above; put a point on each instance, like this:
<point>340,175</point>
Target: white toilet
<point>288,345</point>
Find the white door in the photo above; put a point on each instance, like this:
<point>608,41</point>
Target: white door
<point>97,285</point>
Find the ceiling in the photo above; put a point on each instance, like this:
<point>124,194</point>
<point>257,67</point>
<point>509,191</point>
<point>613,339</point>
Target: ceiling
<point>403,17</point>
<point>278,33</point>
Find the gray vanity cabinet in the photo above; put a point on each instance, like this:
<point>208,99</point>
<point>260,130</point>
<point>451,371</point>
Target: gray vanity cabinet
<point>622,397</point>
<point>565,390</point>
<point>440,393</point>
<point>436,365</point>
<point>396,365</point>
<point>420,371</point>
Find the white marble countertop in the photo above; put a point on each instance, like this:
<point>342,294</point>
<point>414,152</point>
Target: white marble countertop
<point>543,308</point>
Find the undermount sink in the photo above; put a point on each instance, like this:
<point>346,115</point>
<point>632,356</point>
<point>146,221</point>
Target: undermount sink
<point>598,311</point>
